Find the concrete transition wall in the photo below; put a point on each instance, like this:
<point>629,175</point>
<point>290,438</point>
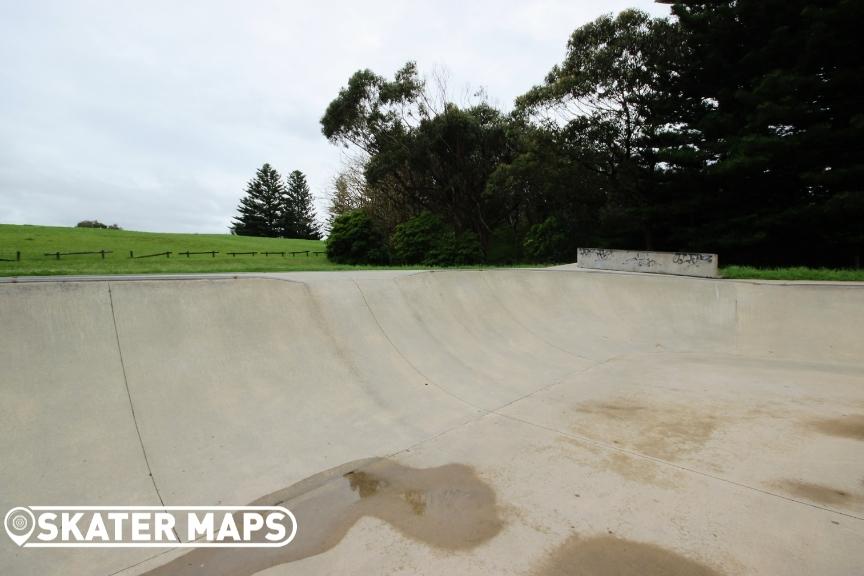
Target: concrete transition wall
<point>680,263</point>
<point>664,400</point>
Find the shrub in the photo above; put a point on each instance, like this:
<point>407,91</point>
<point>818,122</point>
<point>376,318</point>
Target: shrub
<point>549,241</point>
<point>452,249</point>
<point>413,240</point>
<point>354,239</point>
<point>90,224</point>
<point>426,239</point>
<point>96,224</point>
<point>505,246</point>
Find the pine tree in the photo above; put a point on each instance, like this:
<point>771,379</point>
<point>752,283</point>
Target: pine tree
<point>261,209</point>
<point>298,212</point>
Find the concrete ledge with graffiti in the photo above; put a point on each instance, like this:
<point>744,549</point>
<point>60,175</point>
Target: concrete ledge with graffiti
<point>681,263</point>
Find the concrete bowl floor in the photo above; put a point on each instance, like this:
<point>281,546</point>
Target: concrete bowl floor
<point>524,422</point>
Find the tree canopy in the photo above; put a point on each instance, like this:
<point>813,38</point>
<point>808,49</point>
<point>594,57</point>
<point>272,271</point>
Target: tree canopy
<point>275,207</point>
<point>733,126</point>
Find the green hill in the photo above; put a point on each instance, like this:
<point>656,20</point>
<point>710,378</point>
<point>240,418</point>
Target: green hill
<point>33,242</point>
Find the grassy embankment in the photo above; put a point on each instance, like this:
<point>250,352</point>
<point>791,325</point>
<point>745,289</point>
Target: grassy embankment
<point>35,241</point>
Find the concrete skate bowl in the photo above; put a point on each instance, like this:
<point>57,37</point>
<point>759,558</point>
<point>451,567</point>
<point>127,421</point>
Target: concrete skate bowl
<point>467,422</point>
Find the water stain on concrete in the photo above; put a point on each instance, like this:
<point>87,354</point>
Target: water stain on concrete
<point>666,431</point>
<point>609,555</point>
<point>625,465</point>
<point>448,507</point>
<point>642,470</point>
<point>851,426</point>
<point>620,409</point>
<point>817,492</point>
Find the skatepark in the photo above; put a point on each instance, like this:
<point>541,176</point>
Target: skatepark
<point>511,421</point>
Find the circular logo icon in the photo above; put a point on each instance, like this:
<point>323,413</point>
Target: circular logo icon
<point>19,523</point>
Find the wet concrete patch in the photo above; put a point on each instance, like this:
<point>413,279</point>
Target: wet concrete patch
<point>608,556</point>
<point>817,492</point>
<point>627,466</point>
<point>851,426</point>
<point>666,431</point>
<point>642,470</point>
<point>448,507</point>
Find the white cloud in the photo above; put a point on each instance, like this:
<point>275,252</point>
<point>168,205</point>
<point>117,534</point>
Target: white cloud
<point>155,114</point>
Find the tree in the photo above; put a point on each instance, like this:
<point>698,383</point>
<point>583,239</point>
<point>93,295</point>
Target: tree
<point>548,179</point>
<point>298,212</point>
<point>261,209</point>
<point>604,100</point>
<point>451,157</point>
<point>372,111</point>
<point>734,126</point>
<point>341,199</point>
<point>780,82</point>
<point>422,152</point>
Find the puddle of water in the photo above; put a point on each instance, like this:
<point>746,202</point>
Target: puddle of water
<point>606,555</point>
<point>447,507</point>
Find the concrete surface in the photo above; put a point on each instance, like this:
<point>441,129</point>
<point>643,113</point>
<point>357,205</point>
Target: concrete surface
<point>679,263</point>
<point>529,422</point>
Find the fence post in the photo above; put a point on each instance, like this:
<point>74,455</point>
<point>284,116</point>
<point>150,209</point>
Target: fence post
<point>131,254</point>
<point>18,256</point>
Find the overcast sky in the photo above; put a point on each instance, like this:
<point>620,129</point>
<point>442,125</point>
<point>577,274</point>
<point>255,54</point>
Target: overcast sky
<point>154,114</point>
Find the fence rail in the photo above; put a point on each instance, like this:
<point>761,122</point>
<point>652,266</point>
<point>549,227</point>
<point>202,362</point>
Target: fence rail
<point>166,254</point>
<point>188,253</point>
<point>57,255</point>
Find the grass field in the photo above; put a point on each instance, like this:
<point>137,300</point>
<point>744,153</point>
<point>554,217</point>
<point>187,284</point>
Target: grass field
<point>35,241</point>
<point>797,273</point>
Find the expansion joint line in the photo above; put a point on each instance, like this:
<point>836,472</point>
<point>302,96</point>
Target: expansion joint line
<point>131,405</point>
<point>484,412</point>
<point>635,454</point>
